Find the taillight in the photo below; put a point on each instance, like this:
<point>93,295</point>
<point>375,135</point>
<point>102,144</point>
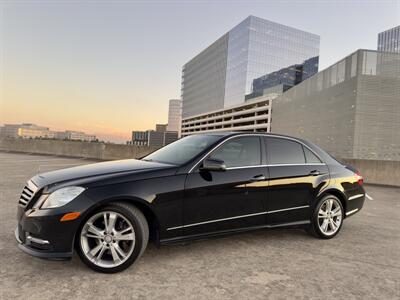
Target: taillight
<point>360,179</point>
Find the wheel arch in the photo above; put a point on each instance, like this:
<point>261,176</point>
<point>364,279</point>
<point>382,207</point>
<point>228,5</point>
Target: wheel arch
<point>337,193</point>
<point>141,204</point>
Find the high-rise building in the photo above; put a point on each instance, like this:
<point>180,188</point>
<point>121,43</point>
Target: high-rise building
<point>174,115</point>
<point>223,74</point>
<point>389,40</point>
<point>351,109</point>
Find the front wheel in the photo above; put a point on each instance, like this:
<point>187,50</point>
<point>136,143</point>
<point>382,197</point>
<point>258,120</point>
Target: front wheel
<point>113,238</point>
<point>327,219</point>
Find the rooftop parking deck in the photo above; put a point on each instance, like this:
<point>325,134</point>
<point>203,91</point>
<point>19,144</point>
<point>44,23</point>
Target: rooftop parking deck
<point>361,262</point>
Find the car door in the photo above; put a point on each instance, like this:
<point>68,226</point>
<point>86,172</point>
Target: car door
<point>296,175</point>
<point>230,199</point>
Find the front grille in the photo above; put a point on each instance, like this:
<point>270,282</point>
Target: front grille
<point>27,193</point>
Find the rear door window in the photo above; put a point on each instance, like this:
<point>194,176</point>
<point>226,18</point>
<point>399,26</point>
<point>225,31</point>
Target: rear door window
<point>284,151</point>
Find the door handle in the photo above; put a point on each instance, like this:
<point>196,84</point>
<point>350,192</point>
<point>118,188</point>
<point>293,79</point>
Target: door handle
<point>257,178</point>
<point>315,173</point>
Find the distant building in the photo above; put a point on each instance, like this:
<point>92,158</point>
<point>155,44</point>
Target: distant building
<point>223,74</point>
<point>161,127</point>
<point>27,130</point>
<point>174,115</point>
<point>154,138</point>
<point>140,138</point>
<point>350,109</point>
<point>75,136</point>
<point>389,40</point>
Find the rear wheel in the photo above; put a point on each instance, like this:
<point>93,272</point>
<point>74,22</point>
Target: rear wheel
<point>327,219</point>
<point>113,238</point>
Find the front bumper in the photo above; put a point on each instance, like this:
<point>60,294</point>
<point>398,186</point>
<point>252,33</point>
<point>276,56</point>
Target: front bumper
<point>41,234</point>
<point>27,248</point>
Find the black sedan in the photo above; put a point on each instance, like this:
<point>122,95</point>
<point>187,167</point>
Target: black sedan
<point>197,187</point>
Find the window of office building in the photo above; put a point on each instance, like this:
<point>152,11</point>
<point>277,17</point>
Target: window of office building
<point>334,75</point>
<point>320,81</point>
<point>369,63</point>
<point>341,68</point>
<point>353,71</point>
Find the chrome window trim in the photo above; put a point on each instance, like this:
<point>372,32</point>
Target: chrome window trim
<point>355,197</point>
<point>276,165</point>
<point>268,165</point>
<point>351,212</point>
<point>237,217</point>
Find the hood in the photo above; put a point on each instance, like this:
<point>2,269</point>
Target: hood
<point>126,166</point>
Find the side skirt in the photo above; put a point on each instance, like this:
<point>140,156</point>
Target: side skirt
<point>207,235</point>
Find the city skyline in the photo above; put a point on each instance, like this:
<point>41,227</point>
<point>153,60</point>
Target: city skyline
<point>105,73</point>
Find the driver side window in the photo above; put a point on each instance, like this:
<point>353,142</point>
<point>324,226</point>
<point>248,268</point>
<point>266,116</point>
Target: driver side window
<point>239,152</point>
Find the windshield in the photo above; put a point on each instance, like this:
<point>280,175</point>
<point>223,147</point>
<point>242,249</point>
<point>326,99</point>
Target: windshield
<point>182,150</point>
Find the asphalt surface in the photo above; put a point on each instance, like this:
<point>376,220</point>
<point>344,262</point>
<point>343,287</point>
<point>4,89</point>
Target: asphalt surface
<point>362,262</point>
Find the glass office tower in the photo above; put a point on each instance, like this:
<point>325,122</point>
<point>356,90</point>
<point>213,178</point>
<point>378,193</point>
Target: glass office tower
<point>223,74</point>
<point>389,40</point>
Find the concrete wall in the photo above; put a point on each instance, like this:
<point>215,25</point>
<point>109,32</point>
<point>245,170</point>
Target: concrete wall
<point>373,171</point>
<point>98,151</point>
<point>377,171</point>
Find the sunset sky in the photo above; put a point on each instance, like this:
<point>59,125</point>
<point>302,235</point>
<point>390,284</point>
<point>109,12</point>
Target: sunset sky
<point>110,67</point>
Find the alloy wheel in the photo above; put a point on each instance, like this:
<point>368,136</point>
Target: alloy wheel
<point>330,216</point>
<point>107,239</point>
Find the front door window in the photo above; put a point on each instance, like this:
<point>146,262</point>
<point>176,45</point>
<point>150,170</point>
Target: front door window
<point>239,152</point>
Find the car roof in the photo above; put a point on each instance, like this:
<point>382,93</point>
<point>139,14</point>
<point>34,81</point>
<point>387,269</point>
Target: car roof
<point>233,133</point>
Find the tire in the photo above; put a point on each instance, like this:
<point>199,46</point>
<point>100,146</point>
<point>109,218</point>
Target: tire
<point>113,237</point>
<point>325,225</point>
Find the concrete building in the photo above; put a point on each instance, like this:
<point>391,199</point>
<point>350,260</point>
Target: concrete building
<point>389,40</point>
<point>351,109</point>
<point>174,115</point>
<point>254,115</point>
<point>223,74</point>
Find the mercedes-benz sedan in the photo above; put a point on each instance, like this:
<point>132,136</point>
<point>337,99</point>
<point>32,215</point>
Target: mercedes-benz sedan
<point>199,186</point>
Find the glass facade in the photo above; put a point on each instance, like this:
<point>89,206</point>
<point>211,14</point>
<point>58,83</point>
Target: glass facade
<point>389,40</point>
<point>287,77</point>
<point>223,75</point>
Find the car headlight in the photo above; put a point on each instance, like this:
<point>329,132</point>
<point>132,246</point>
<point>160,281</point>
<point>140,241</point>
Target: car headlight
<point>62,196</point>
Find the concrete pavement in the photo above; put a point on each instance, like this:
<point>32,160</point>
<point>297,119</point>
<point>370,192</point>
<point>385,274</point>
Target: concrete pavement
<point>362,262</point>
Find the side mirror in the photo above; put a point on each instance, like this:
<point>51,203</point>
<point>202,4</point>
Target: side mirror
<point>212,164</point>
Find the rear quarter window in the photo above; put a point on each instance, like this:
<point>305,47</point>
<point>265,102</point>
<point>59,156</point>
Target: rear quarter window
<point>311,158</point>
